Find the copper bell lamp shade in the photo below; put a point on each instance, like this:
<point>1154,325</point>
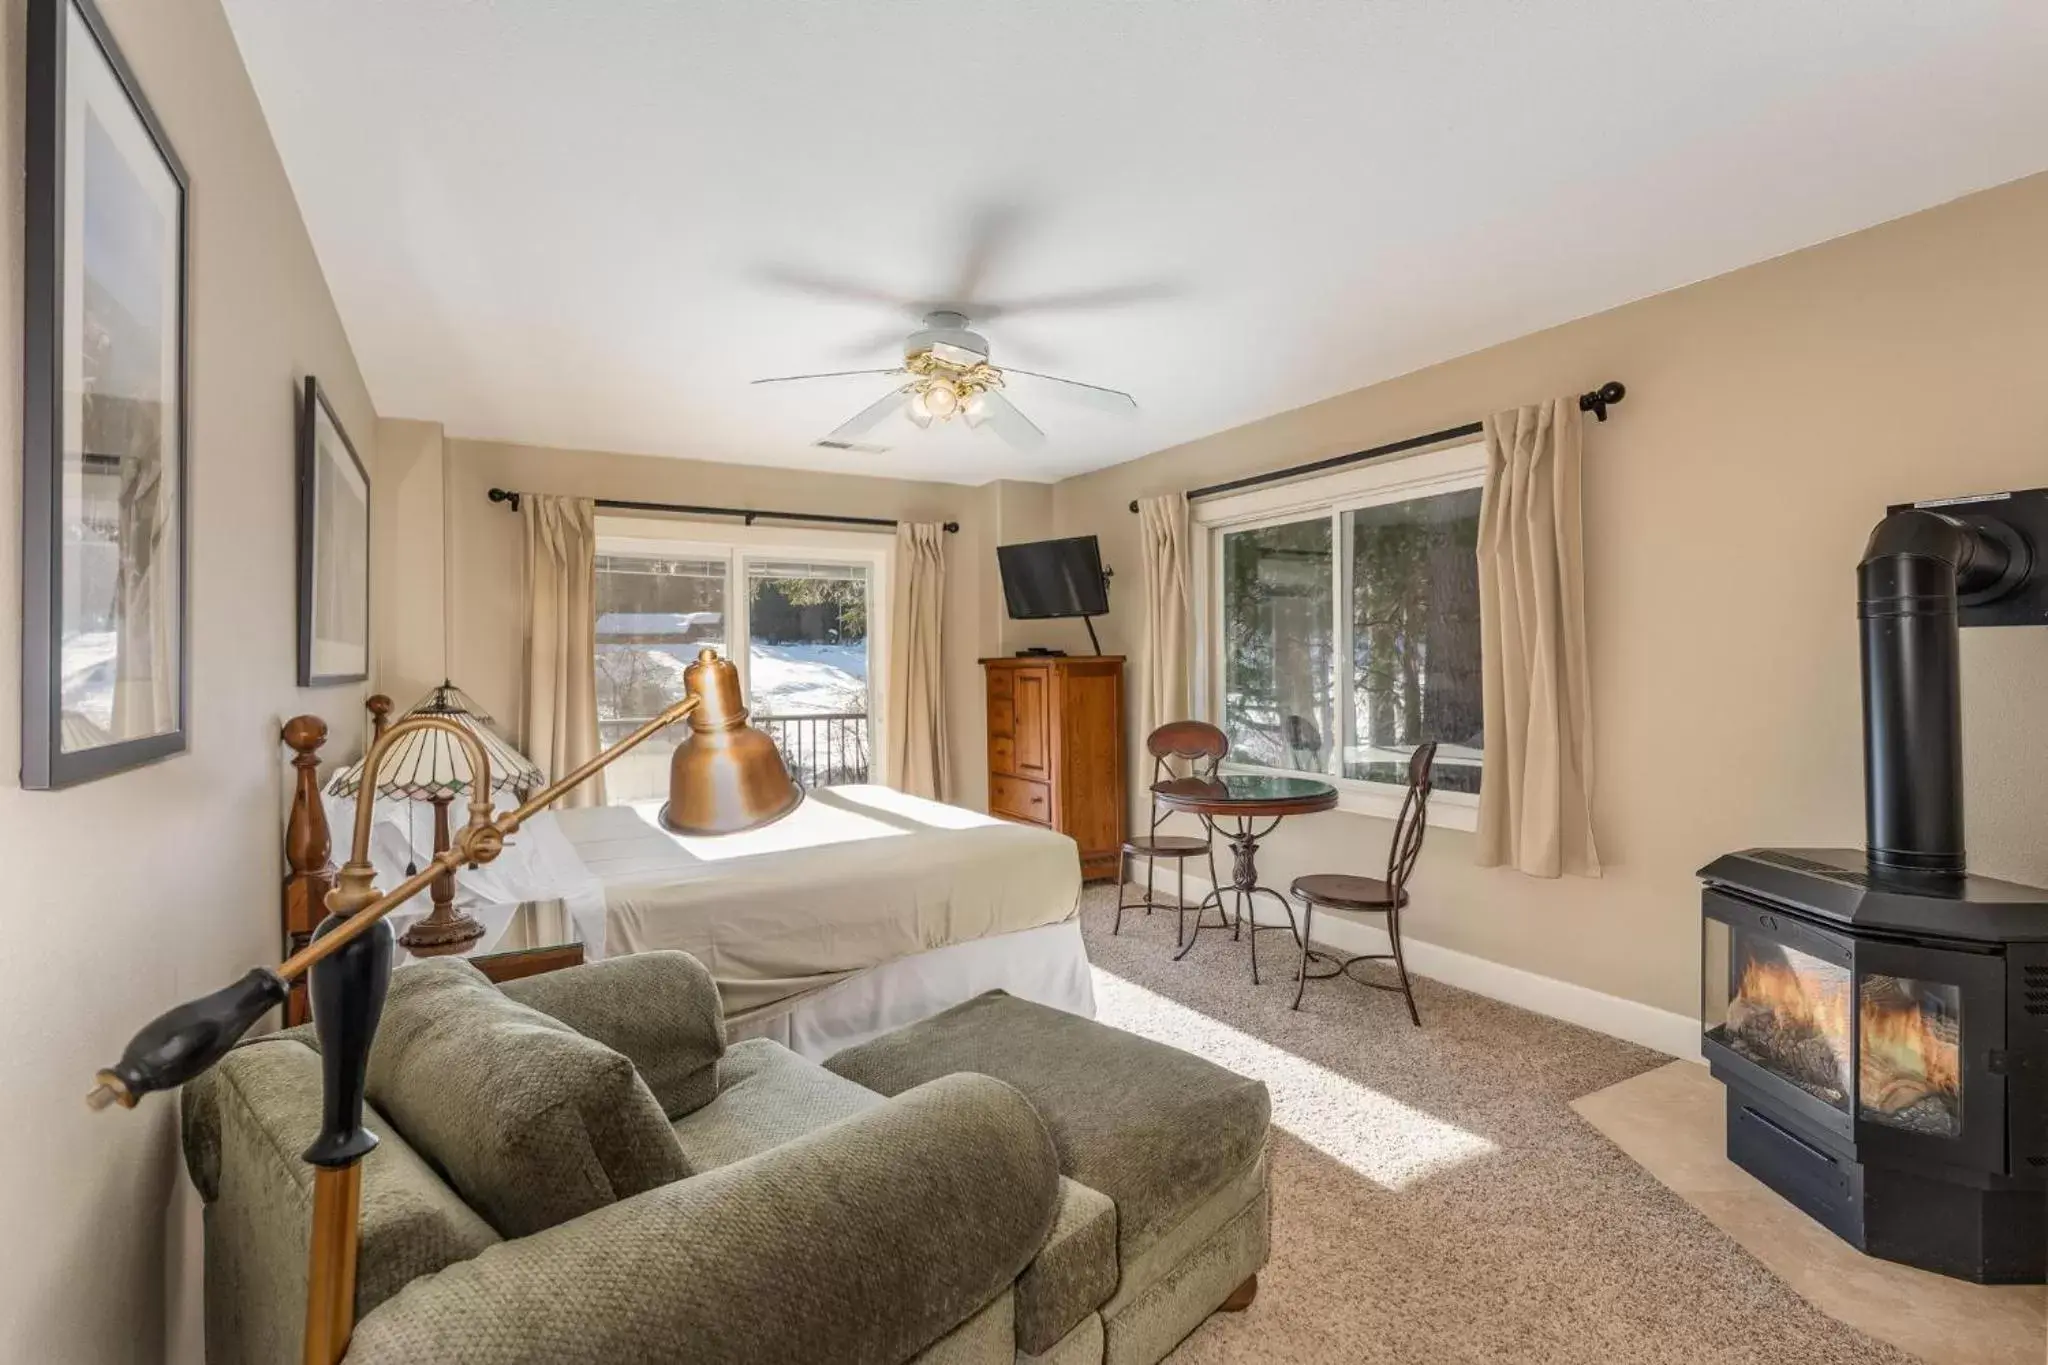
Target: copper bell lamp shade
<point>725,776</point>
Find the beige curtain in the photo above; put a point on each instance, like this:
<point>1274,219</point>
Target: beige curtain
<point>558,706</point>
<point>1536,803</point>
<point>1163,531</point>
<point>915,718</point>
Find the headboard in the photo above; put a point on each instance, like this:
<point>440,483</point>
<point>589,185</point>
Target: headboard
<point>308,843</point>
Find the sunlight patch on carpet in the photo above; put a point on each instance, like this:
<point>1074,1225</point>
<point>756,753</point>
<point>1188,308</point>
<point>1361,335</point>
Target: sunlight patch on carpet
<point>1384,1140</point>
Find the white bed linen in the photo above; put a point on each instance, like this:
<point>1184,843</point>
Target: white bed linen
<point>908,927</point>
<point>854,878</point>
<point>1048,965</point>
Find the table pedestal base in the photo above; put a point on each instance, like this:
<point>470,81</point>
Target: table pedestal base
<point>1246,887</point>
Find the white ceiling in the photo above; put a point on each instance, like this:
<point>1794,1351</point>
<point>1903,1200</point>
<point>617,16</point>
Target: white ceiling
<point>588,223</point>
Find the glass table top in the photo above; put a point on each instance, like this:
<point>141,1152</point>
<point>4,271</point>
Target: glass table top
<point>1248,789</point>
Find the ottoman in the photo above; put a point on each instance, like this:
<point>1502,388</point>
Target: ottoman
<point>1169,1146</point>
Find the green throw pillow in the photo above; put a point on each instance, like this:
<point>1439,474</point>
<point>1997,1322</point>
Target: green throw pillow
<point>531,1122</point>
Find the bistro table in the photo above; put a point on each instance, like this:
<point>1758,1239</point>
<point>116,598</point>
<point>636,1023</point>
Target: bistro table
<point>1245,800</point>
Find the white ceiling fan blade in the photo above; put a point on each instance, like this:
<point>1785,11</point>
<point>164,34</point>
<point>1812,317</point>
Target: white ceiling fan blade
<point>865,420</point>
<point>830,374</point>
<point>1093,395</point>
<point>1013,426</point>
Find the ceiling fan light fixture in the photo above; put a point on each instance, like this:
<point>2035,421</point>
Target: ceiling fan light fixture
<point>941,401</point>
<point>975,408</point>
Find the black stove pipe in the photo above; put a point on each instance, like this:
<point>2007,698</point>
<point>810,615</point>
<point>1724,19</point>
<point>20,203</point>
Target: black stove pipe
<point>1913,569</point>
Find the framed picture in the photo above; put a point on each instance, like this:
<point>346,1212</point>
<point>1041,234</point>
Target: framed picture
<point>334,549</point>
<point>104,654</point>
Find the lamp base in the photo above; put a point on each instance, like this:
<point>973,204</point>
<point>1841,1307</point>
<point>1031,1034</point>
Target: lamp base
<point>445,931</point>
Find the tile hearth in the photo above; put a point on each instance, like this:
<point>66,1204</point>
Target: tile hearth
<point>1671,1122</point>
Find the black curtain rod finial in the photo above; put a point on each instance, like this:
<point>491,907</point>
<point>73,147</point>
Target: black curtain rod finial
<point>505,495</point>
<point>1599,400</point>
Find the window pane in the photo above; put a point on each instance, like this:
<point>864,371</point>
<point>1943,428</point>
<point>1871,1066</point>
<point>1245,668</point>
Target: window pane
<point>1278,662</point>
<point>1415,639</point>
<point>653,615</point>
<point>807,665</point>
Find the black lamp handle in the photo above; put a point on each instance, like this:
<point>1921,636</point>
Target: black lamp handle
<point>347,991</point>
<point>180,1043</point>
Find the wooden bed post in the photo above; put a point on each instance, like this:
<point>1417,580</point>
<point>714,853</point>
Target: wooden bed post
<point>308,849</point>
<point>380,714</point>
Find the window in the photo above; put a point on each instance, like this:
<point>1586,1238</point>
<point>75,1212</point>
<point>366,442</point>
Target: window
<point>794,610</point>
<point>1341,626</point>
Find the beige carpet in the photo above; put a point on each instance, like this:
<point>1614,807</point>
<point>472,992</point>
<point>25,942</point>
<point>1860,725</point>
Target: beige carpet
<point>1434,1198</point>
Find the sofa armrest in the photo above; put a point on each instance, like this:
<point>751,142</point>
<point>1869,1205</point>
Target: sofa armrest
<point>661,1009</point>
<point>866,1240</point>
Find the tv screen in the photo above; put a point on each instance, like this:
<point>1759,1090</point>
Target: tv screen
<point>1051,578</point>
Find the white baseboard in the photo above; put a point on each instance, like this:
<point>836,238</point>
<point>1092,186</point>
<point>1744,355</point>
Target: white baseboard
<point>1664,1030</point>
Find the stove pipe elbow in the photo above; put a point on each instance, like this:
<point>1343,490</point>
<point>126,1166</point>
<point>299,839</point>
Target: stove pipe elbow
<point>1914,568</point>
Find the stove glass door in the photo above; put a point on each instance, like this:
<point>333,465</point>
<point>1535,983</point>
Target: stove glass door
<point>1909,1035</point>
<point>1930,1042</point>
<point>1780,1001</point>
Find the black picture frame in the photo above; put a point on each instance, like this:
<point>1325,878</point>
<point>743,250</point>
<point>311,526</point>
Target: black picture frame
<point>313,407</point>
<point>45,764</point>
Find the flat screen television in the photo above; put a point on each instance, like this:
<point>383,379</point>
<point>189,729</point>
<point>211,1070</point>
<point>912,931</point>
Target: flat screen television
<point>1046,579</point>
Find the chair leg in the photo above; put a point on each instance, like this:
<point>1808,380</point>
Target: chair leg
<point>1308,919</point>
<point>1243,903</point>
<point>1151,864</point>
<point>1400,967</point>
<point>1122,877</point>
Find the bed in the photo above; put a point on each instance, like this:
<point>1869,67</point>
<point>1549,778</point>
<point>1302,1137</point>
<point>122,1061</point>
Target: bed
<point>863,910</point>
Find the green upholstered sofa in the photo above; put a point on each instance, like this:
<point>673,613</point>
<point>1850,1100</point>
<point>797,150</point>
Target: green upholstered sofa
<point>576,1168</point>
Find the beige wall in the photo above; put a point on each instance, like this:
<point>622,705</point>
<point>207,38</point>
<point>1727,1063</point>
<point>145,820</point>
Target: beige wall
<point>408,534</point>
<point>1772,414</point>
<point>129,894</point>
<point>485,547</point>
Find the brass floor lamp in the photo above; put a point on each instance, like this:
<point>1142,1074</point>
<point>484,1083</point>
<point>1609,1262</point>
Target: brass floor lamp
<point>724,777</point>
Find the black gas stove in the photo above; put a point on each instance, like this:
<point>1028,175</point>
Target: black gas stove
<point>1880,1015</point>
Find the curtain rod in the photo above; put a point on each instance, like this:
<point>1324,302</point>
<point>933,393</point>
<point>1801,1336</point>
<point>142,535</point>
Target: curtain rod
<point>747,514</point>
<point>1597,402</point>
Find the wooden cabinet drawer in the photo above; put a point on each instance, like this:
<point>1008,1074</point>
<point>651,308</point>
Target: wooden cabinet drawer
<point>1002,755</point>
<point>999,683</point>
<point>1019,799</point>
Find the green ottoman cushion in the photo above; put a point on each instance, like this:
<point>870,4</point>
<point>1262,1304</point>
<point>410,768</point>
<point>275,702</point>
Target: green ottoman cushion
<point>532,1122</point>
<point>1156,1129</point>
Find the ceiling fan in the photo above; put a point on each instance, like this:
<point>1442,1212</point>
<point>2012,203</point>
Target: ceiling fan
<point>946,374</point>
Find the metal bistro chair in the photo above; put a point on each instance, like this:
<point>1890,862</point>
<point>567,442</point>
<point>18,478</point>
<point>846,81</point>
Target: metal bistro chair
<point>1347,895</point>
<point>1203,746</point>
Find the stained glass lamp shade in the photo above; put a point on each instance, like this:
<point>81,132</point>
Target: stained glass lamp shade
<point>430,765</point>
<point>427,764</point>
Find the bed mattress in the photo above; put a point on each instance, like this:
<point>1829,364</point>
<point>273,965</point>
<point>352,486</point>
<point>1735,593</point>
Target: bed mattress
<point>854,878</point>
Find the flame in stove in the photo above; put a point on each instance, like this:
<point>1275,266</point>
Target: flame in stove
<point>1909,1053</point>
<point>1810,999</point>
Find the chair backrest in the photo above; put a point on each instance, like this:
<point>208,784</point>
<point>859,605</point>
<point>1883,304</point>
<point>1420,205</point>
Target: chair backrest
<point>1413,821</point>
<point>1200,744</point>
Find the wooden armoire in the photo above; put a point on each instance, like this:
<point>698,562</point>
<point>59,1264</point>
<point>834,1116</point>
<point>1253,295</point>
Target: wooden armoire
<point>1056,749</point>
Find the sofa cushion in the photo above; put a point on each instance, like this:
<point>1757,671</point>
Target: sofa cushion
<point>661,1009</point>
<point>768,1096</point>
<point>1156,1129</point>
<point>245,1123</point>
<point>532,1122</point>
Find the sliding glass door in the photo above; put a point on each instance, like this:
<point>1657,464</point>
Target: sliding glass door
<point>801,624</point>
<point>807,664</point>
